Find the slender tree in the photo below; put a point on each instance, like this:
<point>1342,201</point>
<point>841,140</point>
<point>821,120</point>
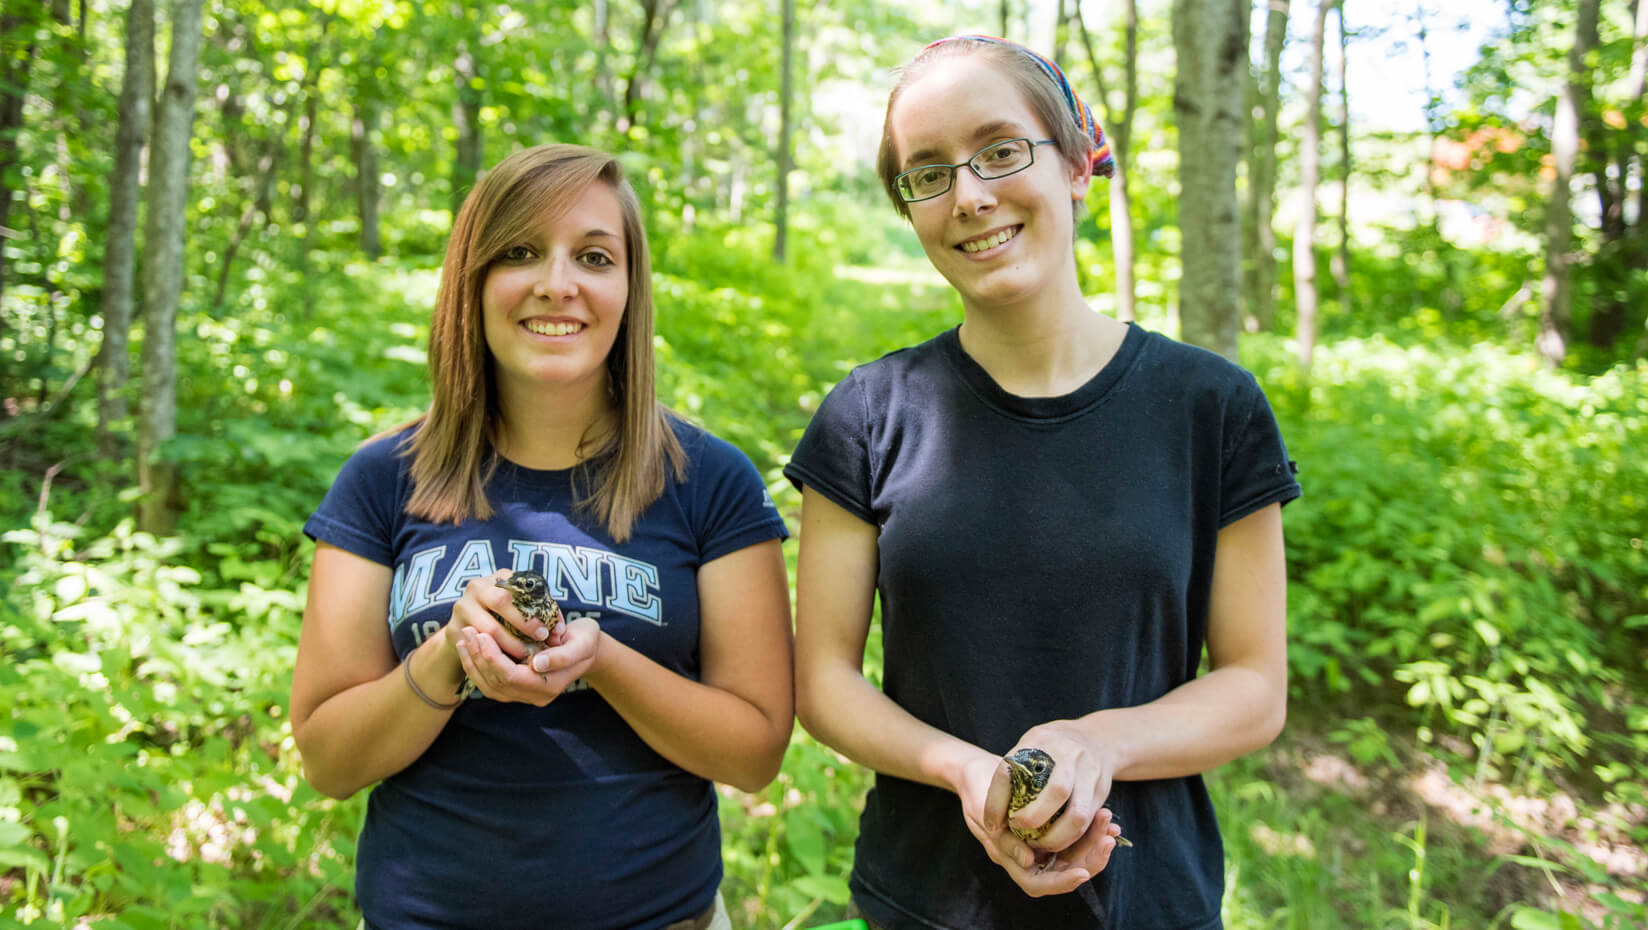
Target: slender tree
<point>163,243</point>
<point>1304,230</point>
<point>1555,293</point>
<point>1259,231</point>
<point>125,192</point>
<point>1210,38</point>
<point>17,45</point>
<point>786,94</point>
<point>655,16</point>
<point>1341,258</point>
<point>466,110</point>
<point>1118,127</point>
<point>363,123</point>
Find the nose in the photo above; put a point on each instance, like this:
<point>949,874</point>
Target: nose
<point>973,195</point>
<point>557,280</point>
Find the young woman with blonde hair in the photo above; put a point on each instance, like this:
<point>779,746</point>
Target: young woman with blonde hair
<point>1056,512</point>
<point>573,788</point>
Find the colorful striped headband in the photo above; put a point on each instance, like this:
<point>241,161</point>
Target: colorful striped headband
<point>1098,147</point>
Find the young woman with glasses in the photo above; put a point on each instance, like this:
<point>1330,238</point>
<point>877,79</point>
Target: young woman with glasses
<point>573,788</point>
<point>1057,513</point>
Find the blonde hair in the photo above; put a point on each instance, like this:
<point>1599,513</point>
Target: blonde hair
<point>452,445</point>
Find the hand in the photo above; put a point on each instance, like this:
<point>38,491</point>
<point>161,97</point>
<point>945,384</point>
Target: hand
<point>983,787</point>
<point>1079,831</point>
<point>539,681</point>
<point>489,608</point>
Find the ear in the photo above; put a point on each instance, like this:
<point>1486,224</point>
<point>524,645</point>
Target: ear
<point>1081,178</point>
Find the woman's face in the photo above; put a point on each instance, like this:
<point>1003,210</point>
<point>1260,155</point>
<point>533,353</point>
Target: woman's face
<point>999,241</point>
<point>553,302</point>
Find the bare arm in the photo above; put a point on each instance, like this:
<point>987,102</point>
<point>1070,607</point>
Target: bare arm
<point>1237,707</point>
<point>835,585</point>
<point>733,726</point>
<point>354,718</point>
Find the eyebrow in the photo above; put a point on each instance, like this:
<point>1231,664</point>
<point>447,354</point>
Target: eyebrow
<point>996,127</point>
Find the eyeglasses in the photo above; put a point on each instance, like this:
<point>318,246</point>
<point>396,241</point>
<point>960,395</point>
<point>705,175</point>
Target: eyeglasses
<point>997,160</point>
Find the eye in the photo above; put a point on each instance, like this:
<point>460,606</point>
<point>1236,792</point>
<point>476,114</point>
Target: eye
<point>516,254</point>
<point>1002,152</point>
<point>597,259</point>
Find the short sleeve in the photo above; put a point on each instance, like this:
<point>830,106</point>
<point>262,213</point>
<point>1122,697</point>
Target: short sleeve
<point>1257,471</point>
<point>359,511</point>
<point>731,507</point>
<point>833,457</point>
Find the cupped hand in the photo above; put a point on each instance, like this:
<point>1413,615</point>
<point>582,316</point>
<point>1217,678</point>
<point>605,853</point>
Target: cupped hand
<point>537,681</point>
<point>1084,834</point>
<point>983,789</point>
<point>487,608</point>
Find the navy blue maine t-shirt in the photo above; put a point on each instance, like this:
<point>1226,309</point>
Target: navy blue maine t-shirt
<point>557,816</point>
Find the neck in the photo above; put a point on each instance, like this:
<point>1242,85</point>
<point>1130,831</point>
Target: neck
<point>556,429</point>
<point>1046,347</point>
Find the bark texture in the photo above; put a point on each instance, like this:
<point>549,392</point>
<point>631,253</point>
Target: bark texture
<point>125,194</point>
<point>1210,39</point>
<point>163,242</point>
<point>1310,159</point>
<point>1556,296</point>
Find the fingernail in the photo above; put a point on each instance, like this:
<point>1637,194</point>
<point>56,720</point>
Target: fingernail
<point>540,663</point>
<point>541,633</point>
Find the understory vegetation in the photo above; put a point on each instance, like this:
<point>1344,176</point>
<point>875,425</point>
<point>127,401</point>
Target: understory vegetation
<point>1468,738</point>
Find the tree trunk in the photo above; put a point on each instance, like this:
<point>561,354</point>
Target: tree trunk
<point>785,95</point>
<point>120,255</point>
<point>1556,296</point>
<point>466,117</point>
<point>1260,230</point>
<point>1614,259</point>
<point>1451,295</point>
<point>1304,230</point>
<point>163,271</point>
<point>655,14</point>
<point>16,58</point>
<point>1118,128</point>
<point>361,127</point>
<point>603,47</point>
<point>1210,38</point>
<point>1061,34</point>
<point>259,202</point>
<point>1341,258</point>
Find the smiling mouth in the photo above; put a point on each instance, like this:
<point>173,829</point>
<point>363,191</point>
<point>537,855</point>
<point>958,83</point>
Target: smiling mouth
<point>548,328</point>
<point>991,241</point>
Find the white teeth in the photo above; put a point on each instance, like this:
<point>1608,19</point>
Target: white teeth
<point>543,328</point>
<point>989,242</point>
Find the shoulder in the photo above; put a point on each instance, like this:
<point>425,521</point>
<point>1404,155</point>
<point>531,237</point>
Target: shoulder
<point>1169,368</point>
<point>382,457</point>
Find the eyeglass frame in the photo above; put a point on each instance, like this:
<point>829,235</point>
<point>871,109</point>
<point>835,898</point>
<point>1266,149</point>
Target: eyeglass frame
<point>968,164</point>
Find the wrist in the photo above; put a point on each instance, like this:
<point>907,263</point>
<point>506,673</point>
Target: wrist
<point>438,665</point>
<point>947,765</point>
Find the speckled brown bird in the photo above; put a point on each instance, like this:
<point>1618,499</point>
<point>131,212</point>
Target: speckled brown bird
<point>1030,769</point>
<point>529,592</point>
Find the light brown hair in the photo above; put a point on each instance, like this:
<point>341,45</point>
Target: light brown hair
<point>452,445</point>
<point>1045,98</point>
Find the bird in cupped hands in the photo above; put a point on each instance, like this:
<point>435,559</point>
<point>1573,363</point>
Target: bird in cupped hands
<point>529,592</point>
<point>1030,769</point>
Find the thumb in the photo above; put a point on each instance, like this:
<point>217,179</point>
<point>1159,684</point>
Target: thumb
<point>995,799</point>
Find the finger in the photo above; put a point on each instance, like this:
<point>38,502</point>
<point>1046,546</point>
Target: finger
<point>1093,850</point>
<point>1053,797</point>
<point>1048,877</point>
<point>1010,848</point>
<point>996,798</point>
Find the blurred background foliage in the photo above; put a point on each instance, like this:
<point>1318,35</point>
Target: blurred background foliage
<point>1468,742</point>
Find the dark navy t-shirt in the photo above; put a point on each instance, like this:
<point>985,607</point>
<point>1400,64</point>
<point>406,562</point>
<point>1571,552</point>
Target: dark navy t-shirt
<point>559,816</point>
<point>1042,558</point>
